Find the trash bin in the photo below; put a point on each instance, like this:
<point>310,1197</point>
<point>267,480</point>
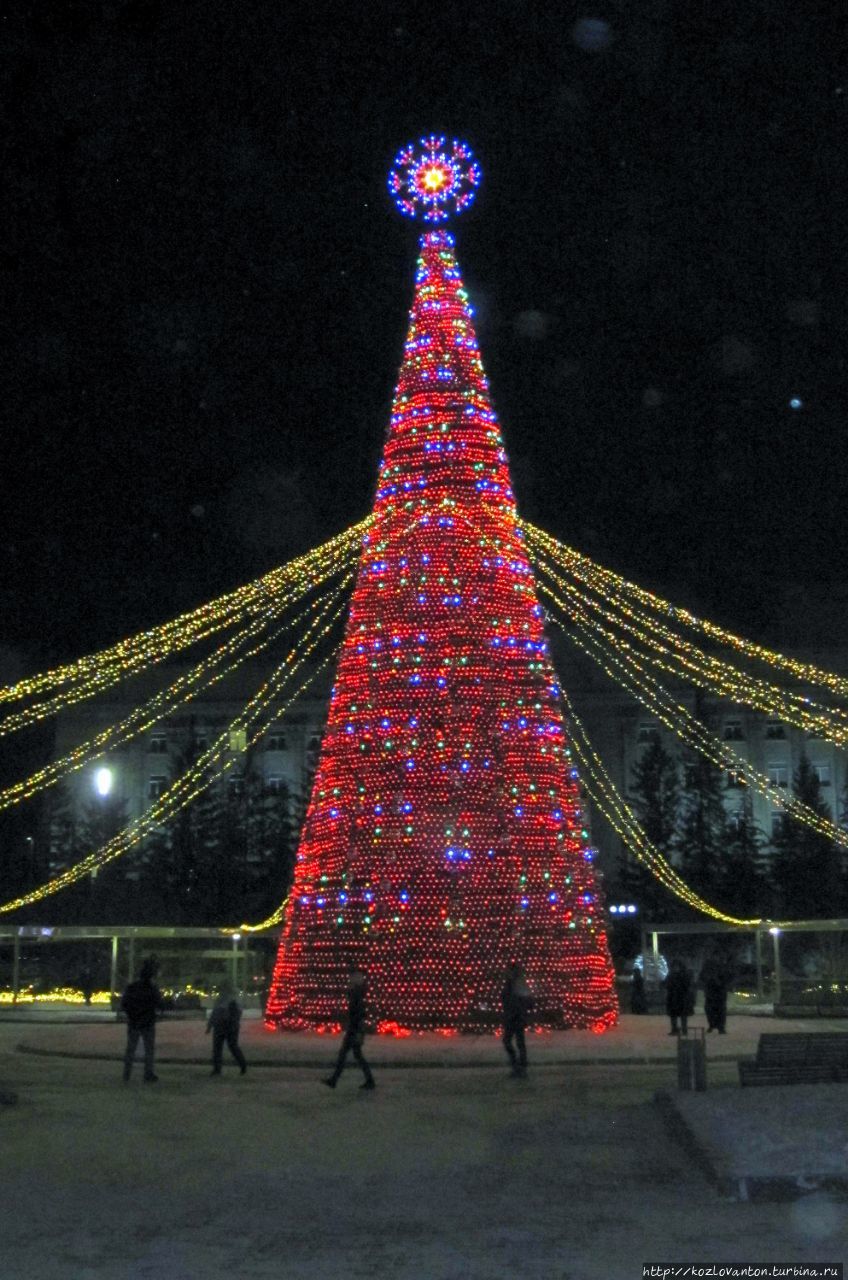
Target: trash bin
<point>692,1061</point>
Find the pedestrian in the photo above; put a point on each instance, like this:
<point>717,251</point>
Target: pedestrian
<point>224,1022</point>
<point>141,1001</point>
<point>638,998</point>
<point>679,997</point>
<point>716,978</point>
<point>517,1003</point>
<point>354,1031</point>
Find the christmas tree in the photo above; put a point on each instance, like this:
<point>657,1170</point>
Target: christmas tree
<point>445,835</point>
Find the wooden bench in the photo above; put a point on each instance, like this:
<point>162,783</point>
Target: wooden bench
<point>817,1058</point>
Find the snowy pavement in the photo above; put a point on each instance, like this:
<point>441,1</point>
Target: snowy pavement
<point>437,1175</point>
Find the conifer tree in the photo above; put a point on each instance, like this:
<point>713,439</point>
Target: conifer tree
<point>806,865</point>
<point>654,798</point>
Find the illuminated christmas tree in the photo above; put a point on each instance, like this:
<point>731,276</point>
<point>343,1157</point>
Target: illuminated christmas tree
<point>445,835</point>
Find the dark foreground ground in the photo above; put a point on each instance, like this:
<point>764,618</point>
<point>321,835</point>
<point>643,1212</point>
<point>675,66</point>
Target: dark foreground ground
<point>455,1174</point>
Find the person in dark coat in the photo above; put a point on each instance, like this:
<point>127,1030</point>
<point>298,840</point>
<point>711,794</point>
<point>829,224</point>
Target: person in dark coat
<point>141,1001</point>
<point>224,1022</point>
<point>715,978</point>
<point>517,1003</point>
<point>638,998</point>
<point>354,1031</point>
<point>679,997</point>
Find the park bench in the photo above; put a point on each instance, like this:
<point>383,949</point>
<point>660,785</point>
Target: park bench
<point>817,1058</point>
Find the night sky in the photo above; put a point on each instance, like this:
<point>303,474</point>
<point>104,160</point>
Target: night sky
<point>207,287</point>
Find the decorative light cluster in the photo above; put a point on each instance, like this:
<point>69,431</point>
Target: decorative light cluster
<point>207,673</point>
<point>436,181</point>
<point>611,584</point>
<point>96,672</point>
<point>678,657</point>
<point>607,798</point>
<point>624,664</point>
<point>445,834</point>
<point>213,763</point>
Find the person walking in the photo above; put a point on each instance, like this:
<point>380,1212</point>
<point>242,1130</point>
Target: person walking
<point>679,997</point>
<point>716,977</point>
<point>224,1022</point>
<point>141,1001</point>
<point>517,1003</point>
<point>354,1031</point>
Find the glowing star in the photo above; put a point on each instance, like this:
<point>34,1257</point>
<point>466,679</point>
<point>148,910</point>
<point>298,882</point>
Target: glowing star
<point>435,182</point>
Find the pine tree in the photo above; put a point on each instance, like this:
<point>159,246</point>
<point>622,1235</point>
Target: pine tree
<point>701,826</point>
<point>654,798</point>
<point>744,883</point>
<point>806,864</point>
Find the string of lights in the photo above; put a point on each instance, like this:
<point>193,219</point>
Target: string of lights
<point>606,581</point>
<point>709,672</point>
<point>95,672</point>
<point>622,665</point>
<point>213,763</point>
<point>205,675</point>
<point>606,796</point>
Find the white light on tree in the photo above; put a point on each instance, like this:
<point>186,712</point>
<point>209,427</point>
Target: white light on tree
<point>103,780</point>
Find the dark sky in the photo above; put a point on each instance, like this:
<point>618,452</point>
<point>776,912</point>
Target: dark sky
<point>207,287</point>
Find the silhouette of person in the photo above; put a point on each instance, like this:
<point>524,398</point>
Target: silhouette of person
<point>224,1022</point>
<point>638,998</point>
<point>679,997</point>
<point>354,1031</point>
<point>517,1003</point>
<point>141,1001</point>
<point>716,977</point>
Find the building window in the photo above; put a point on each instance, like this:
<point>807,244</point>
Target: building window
<point>274,784</point>
<point>275,741</point>
<point>775,730</point>
<point>733,782</point>
<point>158,745</point>
<point>822,772</point>
<point>777,820</point>
<point>733,731</point>
<point>648,733</point>
<point>236,784</point>
<point>156,785</point>
<point>238,740</point>
<point>778,775</point>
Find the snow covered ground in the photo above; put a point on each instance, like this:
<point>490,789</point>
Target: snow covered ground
<point>438,1175</point>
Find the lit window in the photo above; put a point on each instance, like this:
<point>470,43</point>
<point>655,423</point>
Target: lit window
<point>648,733</point>
<point>238,740</point>
<point>733,731</point>
<point>778,775</point>
<point>158,745</point>
<point>822,772</point>
<point>156,786</point>
<point>774,730</point>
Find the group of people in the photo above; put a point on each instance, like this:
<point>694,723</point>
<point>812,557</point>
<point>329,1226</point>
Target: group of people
<point>715,977</point>
<point>142,1000</point>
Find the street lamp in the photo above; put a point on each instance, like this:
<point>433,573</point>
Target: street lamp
<point>104,780</point>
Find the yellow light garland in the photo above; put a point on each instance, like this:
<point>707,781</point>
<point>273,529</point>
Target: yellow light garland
<point>582,566</point>
<point>98,671</point>
<point>198,777</point>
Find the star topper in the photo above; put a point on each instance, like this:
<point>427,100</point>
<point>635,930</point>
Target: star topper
<point>435,182</point>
